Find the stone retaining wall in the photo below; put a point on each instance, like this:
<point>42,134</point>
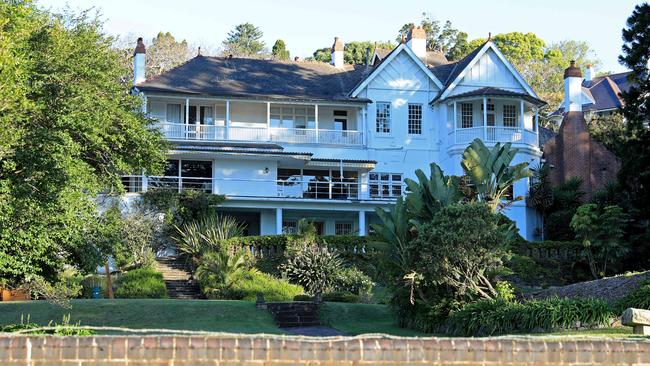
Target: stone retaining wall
<point>278,350</point>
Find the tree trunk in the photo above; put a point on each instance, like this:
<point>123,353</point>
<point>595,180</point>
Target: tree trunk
<point>109,282</point>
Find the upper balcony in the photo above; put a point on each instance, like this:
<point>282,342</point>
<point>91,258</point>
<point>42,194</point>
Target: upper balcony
<point>196,119</point>
<point>493,118</point>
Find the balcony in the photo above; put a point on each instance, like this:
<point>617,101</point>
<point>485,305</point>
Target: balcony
<point>202,132</point>
<point>465,136</point>
<point>291,188</point>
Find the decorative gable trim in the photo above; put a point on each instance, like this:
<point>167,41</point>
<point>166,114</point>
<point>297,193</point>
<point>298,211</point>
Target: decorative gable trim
<point>402,47</point>
<point>513,71</point>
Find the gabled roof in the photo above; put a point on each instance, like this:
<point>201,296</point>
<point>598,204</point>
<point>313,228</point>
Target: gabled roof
<point>386,60</point>
<point>258,78</point>
<point>453,75</point>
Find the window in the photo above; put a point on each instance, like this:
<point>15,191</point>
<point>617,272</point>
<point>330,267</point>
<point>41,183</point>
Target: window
<point>289,226</point>
<point>509,116</point>
<point>174,113</point>
<point>385,185</point>
<point>466,115</point>
<point>293,117</point>
<point>343,228</point>
<point>415,119</point>
<point>383,117</point>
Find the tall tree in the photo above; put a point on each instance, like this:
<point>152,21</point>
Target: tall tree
<point>279,50</point>
<point>74,129</point>
<point>634,176</point>
<point>353,52</point>
<point>439,38</point>
<point>245,40</point>
<point>165,53</point>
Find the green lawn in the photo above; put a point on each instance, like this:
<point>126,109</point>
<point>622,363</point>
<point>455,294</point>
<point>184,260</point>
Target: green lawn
<point>356,319</point>
<point>206,315</point>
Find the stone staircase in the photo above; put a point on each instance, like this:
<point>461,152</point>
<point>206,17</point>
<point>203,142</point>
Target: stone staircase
<point>177,279</point>
<point>294,314</point>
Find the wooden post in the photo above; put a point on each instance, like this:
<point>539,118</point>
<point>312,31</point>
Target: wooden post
<point>109,282</point>
<point>316,120</point>
<point>268,121</point>
<point>455,122</point>
<point>521,113</point>
<point>227,119</point>
<point>187,117</point>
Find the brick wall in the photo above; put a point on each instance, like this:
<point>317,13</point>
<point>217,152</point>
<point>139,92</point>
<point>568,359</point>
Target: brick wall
<point>573,153</point>
<point>278,350</point>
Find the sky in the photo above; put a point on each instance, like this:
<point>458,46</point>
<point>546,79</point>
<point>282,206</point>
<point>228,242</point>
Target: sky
<point>306,25</point>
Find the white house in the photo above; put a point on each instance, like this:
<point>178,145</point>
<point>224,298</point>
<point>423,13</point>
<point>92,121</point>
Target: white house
<point>284,140</point>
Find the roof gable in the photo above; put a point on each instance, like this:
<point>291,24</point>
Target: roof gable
<point>400,49</point>
<point>402,73</point>
<point>465,67</point>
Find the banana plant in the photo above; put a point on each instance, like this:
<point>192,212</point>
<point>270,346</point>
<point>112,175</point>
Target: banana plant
<point>491,173</point>
<point>428,194</point>
<point>395,230</point>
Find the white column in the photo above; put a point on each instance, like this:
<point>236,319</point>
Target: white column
<point>362,223</point>
<point>145,182</point>
<point>484,118</point>
<point>227,119</point>
<point>521,113</point>
<point>278,221</point>
<point>455,122</point>
<point>363,186</point>
<point>187,116</point>
<point>214,173</point>
<point>316,119</point>
<point>364,125</point>
<point>268,121</point>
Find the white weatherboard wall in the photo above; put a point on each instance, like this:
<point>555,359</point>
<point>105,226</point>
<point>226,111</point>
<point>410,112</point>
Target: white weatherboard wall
<point>245,177</point>
<point>488,71</point>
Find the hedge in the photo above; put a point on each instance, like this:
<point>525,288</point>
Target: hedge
<point>549,263</point>
<point>141,283</point>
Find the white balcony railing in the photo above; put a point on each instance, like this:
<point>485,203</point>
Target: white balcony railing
<point>493,134</point>
<point>181,131</point>
<point>289,188</point>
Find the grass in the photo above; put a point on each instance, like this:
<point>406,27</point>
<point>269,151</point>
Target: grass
<point>205,315</point>
<point>356,319</point>
<point>227,316</point>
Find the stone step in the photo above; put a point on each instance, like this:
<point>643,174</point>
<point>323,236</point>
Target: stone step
<point>294,314</point>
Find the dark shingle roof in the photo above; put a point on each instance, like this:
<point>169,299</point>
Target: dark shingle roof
<point>605,90</point>
<point>257,78</point>
<point>545,134</point>
<point>490,91</point>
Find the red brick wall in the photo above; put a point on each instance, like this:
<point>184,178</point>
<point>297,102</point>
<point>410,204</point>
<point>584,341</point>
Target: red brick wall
<point>278,350</point>
<point>573,153</point>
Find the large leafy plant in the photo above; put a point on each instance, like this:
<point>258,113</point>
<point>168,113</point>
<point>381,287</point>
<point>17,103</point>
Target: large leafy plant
<point>313,268</point>
<point>490,171</point>
<point>206,235</point>
<point>428,194</point>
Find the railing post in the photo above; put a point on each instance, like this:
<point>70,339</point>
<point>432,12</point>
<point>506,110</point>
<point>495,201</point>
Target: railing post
<point>145,182</point>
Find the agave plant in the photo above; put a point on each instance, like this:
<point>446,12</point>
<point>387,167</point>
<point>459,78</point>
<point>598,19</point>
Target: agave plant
<point>198,237</point>
<point>491,173</point>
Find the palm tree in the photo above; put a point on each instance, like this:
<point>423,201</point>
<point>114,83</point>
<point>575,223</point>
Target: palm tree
<point>491,173</point>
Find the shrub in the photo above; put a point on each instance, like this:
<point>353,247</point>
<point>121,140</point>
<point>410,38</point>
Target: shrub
<point>639,298</point>
<point>143,283</point>
<point>313,268</point>
<point>205,235</point>
<point>303,297</point>
<point>353,281</point>
<point>341,296</point>
<point>488,317</point>
<point>249,284</point>
<point>218,272</point>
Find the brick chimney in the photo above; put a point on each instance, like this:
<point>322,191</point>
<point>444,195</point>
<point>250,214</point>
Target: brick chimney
<point>139,62</point>
<point>572,89</point>
<point>590,73</point>
<point>416,40</point>
<point>337,53</point>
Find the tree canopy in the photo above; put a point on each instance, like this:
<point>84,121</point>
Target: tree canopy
<point>165,53</point>
<point>279,50</point>
<point>244,40</point>
<point>353,52</point>
<point>69,127</point>
<point>444,38</point>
